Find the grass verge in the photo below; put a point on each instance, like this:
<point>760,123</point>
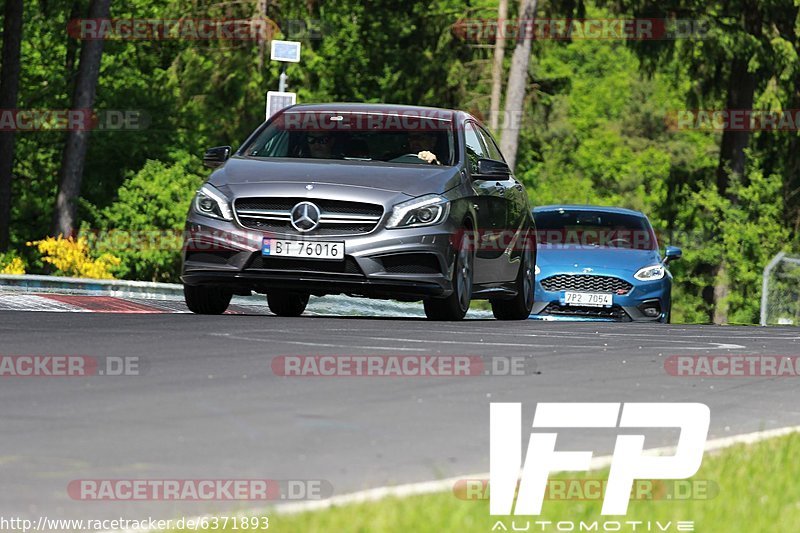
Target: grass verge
<point>758,490</point>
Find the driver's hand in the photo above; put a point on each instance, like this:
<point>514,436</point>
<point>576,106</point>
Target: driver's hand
<point>428,157</point>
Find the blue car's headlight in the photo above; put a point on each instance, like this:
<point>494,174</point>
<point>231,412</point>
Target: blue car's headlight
<point>212,203</point>
<point>650,273</point>
<point>537,270</point>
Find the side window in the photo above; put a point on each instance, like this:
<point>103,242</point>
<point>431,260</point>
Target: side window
<point>491,146</point>
<point>475,149</point>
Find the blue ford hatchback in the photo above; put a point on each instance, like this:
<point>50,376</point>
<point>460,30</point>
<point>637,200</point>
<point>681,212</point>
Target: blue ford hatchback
<point>600,263</point>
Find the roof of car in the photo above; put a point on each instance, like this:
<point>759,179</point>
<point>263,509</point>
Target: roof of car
<point>585,207</point>
<point>433,112</point>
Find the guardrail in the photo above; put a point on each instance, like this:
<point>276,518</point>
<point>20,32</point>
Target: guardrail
<point>328,305</point>
<point>109,287</point>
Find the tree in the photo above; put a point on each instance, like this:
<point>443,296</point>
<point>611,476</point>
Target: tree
<point>497,64</point>
<point>74,155</point>
<point>736,61</point>
<point>517,82</point>
<point>9,87</point>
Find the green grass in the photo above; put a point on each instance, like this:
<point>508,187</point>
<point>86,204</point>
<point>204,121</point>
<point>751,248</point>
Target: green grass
<point>759,491</point>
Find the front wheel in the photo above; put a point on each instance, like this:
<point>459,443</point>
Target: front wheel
<point>455,306</point>
<point>285,303</point>
<point>519,307</point>
<point>204,300</point>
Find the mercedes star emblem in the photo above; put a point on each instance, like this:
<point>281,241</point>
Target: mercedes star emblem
<point>305,216</point>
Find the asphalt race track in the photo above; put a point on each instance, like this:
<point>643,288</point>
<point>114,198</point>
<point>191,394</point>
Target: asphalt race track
<point>208,405</point>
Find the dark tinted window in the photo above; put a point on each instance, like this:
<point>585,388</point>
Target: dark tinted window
<point>594,228</point>
<point>475,149</point>
<point>492,150</point>
<point>354,136</point>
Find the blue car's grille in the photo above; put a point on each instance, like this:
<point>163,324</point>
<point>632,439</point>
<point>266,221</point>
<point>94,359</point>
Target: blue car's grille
<point>614,312</point>
<point>586,283</point>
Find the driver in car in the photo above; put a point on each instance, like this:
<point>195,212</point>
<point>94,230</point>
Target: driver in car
<point>320,145</point>
<point>421,142</point>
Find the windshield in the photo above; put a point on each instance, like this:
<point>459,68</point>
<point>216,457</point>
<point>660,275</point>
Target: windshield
<point>594,228</point>
<point>385,137</point>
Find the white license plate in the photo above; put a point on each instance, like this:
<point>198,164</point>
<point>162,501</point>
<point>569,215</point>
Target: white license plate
<point>594,299</point>
<point>333,251</point>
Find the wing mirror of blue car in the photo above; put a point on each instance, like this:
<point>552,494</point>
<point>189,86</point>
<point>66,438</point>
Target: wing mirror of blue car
<point>490,167</point>
<point>214,157</point>
<point>672,253</point>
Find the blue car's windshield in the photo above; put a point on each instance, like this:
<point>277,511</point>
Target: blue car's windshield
<point>356,136</point>
<point>573,227</point>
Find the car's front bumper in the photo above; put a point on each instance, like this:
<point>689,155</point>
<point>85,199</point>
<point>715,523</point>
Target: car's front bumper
<point>628,307</point>
<point>399,263</point>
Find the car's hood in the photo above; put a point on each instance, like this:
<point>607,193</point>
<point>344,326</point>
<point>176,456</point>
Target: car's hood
<point>576,258</point>
<point>414,180</point>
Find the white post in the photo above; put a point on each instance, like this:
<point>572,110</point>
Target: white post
<point>282,84</point>
<point>765,285</point>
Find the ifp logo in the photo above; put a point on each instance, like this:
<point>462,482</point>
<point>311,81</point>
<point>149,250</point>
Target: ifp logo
<point>628,463</point>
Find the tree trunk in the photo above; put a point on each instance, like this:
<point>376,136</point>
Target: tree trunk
<point>792,173</point>
<point>9,88</point>
<point>497,65</point>
<point>72,160</point>
<point>741,91</point>
<point>732,161</point>
<point>72,44</point>
<point>517,82</point>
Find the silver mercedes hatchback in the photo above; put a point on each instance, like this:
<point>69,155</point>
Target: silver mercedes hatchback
<point>369,200</point>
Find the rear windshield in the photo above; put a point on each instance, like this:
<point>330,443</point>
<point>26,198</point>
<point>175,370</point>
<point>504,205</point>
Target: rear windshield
<point>383,137</point>
<point>594,228</point>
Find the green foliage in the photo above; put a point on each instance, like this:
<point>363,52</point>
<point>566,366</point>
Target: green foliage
<point>595,128</point>
<point>143,226</point>
<point>11,263</point>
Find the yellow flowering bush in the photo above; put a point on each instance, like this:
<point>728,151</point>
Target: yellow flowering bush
<point>15,266</point>
<point>71,257</point>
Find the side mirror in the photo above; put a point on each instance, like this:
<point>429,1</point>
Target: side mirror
<point>490,167</point>
<point>215,157</point>
<point>672,253</point>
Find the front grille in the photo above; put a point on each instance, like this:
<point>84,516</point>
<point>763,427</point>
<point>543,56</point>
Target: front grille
<point>614,312</point>
<point>587,283</point>
<point>411,264</point>
<point>336,217</point>
<point>348,266</point>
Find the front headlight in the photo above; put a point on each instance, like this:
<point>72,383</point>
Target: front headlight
<point>537,270</point>
<point>212,203</point>
<point>650,273</point>
<point>423,211</point>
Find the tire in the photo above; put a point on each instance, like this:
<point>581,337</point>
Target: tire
<point>455,306</point>
<point>285,303</point>
<point>204,300</point>
<point>519,307</point>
